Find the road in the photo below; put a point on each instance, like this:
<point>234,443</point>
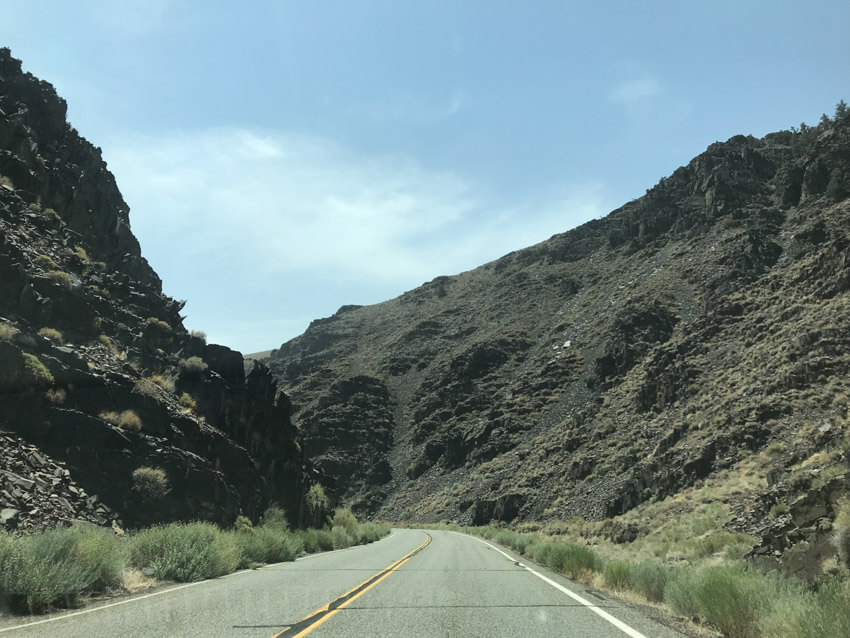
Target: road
<point>419,584</point>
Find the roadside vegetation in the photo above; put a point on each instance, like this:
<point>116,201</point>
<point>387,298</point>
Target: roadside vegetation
<point>713,588</point>
<point>59,568</point>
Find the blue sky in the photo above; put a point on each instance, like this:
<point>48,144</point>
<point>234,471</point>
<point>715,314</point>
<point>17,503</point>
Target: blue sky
<point>282,159</point>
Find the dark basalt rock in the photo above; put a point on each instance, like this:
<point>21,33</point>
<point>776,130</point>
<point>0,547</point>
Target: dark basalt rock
<point>69,263</point>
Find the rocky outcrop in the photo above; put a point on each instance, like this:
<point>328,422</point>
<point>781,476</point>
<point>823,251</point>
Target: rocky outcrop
<point>97,372</point>
<point>36,491</point>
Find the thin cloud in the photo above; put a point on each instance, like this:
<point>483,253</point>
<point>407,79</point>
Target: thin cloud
<point>133,17</point>
<point>414,110</point>
<point>237,214</point>
<point>635,90</point>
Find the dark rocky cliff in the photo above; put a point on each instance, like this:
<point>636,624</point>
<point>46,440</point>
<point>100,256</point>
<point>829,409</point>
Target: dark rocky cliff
<point>695,330</point>
<point>91,382</point>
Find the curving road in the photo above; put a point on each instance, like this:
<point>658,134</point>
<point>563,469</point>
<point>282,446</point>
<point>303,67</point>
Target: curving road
<point>413,583</point>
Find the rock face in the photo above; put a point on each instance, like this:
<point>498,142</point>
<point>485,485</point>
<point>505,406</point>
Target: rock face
<point>92,388</point>
<point>614,364</point>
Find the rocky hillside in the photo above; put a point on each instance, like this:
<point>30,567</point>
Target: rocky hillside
<point>701,327</point>
<point>112,412</point>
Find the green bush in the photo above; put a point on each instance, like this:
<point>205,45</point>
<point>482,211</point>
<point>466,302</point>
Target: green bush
<point>341,537</point>
<point>275,516</point>
<point>778,510</point>
<point>649,579</point>
<point>517,542</point>
<point>618,574</point>
<point>310,540</point>
<point>827,612</point>
<point>100,551</point>
<point>57,567</point>
<point>35,373</point>
<point>185,552</point>
<point>324,540</point>
<point>730,598</point>
<point>345,519</point>
<point>371,532</point>
<point>732,544</point>
<point>268,545</point>
<point>568,558</point>
<point>680,592</point>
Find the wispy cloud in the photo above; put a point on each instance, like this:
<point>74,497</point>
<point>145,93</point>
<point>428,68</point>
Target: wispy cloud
<point>407,110</point>
<point>132,17</point>
<point>225,211</point>
<point>635,90</point>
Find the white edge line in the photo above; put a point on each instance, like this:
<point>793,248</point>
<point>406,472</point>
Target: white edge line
<point>171,589</point>
<point>619,624</point>
<point>98,608</point>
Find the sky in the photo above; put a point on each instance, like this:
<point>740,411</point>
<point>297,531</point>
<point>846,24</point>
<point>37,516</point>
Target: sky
<point>284,158</point>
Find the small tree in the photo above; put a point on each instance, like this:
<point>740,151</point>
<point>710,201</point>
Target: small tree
<point>317,506</point>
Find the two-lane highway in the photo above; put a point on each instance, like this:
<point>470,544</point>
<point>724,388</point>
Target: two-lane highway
<point>414,583</point>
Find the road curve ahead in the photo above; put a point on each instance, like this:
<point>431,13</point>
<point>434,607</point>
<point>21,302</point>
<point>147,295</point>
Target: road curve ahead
<point>413,584</point>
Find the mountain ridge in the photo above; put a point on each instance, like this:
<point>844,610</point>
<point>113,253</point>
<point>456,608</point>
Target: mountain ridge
<point>579,376</point>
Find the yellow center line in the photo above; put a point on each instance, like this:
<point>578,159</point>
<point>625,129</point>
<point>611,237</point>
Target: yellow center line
<point>324,612</point>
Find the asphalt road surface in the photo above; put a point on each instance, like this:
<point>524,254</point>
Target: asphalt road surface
<point>410,584</point>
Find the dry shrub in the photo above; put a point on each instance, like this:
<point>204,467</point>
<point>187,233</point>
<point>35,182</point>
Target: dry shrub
<point>45,262</point>
<point>163,382</point>
<point>159,325</point>
<point>187,402</point>
<point>35,373</point>
<point>127,420</point>
<point>57,395</point>
<point>51,333</point>
<point>61,278</point>
<point>193,366</point>
<point>150,482</point>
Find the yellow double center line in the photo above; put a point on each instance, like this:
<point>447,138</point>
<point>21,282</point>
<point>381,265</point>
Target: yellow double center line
<point>316,618</point>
